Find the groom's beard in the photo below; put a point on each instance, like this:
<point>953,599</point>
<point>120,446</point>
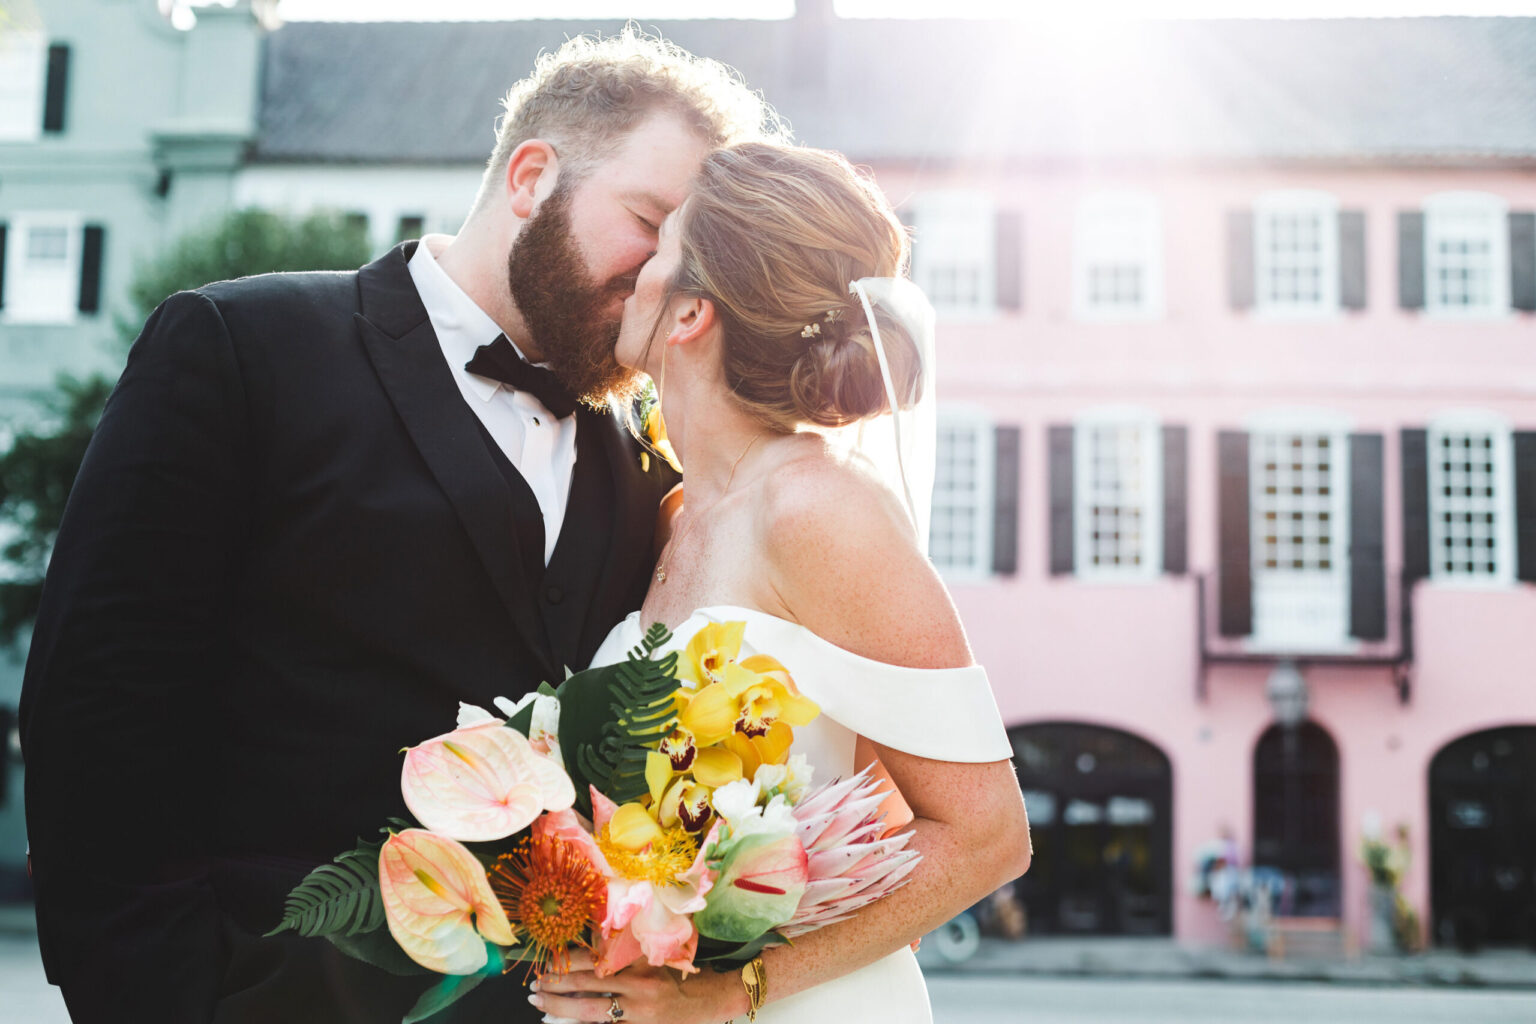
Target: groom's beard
<point>565,311</point>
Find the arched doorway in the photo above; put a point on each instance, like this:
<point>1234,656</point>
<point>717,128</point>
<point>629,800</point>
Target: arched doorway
<point>1100,805</point>
<point>1482,814</point>
<point>1296,818</point>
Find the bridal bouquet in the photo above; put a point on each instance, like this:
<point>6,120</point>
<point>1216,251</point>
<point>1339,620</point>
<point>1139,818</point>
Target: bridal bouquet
<point>649,809</point>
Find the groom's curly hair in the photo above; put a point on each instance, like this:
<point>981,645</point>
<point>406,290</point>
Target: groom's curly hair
<point>585,97</point>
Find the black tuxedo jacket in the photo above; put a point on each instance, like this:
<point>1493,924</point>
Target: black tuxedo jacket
<point>290,552</point>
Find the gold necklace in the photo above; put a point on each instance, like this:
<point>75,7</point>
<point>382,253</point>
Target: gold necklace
<point>661,563</point>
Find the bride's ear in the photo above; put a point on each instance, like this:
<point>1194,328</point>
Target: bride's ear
<point>692,317</point>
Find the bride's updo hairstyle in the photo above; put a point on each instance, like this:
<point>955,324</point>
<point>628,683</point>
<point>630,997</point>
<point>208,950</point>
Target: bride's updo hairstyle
<point>773,235</point>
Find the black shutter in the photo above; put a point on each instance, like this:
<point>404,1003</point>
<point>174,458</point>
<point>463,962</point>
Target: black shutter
<point>57,88</point>
<point>1240,258</point>
<point>90,268</point>
<point>1525,504</point>
<point>3,227</point>
<point>1005,501</point>
<point>1236,579</point>
<point>1010,259</point>
<point>1522,261</point>
<point>1367,563</point>
<point>1415,445</point>
<point>1352,259</point>
<point>1176,500</point>
<point>1060,442</point>
<point>1410,259</point>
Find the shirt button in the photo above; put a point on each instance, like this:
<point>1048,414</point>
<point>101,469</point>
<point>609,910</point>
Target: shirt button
<point>554,595</point>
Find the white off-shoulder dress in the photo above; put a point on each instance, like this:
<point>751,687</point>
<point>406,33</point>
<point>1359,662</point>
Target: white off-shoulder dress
<point>942,714</point>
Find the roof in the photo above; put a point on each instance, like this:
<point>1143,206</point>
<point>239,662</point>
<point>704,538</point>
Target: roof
<point>1354,90</point>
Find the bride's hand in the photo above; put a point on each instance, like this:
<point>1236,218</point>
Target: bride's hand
<point>645,994</point>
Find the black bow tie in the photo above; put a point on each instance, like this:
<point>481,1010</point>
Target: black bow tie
<point>500,361</point>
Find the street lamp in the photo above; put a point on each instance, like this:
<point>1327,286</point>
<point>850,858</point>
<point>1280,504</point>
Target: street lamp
<point>1287,693</point>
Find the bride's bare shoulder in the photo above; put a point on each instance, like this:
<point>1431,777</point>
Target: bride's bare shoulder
<point>845,560</point>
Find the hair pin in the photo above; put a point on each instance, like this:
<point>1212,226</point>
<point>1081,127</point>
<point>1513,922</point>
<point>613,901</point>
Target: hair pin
<point>810,330</point>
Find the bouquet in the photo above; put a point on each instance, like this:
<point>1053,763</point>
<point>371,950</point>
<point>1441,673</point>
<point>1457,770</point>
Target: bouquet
<point>651,809</point>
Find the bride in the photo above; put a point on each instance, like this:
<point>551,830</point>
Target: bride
<point>765,360</point>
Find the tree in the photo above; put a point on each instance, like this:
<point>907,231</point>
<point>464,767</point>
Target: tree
<point>38,469</point>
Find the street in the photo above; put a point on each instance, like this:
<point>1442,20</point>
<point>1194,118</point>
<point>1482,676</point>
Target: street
<point>25,998</point>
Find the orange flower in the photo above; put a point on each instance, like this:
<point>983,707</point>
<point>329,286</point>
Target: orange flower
<point>551,893</point>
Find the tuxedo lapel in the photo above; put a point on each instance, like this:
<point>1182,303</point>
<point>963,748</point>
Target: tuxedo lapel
<point>400,342</point>
<point>637,494</point>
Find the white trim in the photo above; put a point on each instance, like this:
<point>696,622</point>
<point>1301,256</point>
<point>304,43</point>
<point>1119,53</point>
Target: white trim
<point>42,294</point>
<point>947,502</point>
<point>1284,598</point>
<point>1502,460</point>
<point>1150,499</point>
<point>1441,212</point>
<point>1125,227</point>
<point>23,69</point>
<point>1299,203</point>
<point>955,237</point>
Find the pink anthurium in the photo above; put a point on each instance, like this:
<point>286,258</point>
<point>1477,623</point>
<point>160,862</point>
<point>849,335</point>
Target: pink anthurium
<point>438,903</point>
<point>482,782</point>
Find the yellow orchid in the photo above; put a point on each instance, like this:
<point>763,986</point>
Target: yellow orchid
<point>656,433</point>
<point>748,696</point>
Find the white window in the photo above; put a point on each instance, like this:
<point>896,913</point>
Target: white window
<point>954,252</point>
<point>1471,500</point>
<point>1117,258</point>
<point>23,66</point>
<point>1298,489</point>
<point>42,268</point>
<point>960,535</point>
<point>1118,470</point>
<point>1296,257</point>
<point>1466,254</point>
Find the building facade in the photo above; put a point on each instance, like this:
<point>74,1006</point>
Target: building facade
<point>1237,478</point>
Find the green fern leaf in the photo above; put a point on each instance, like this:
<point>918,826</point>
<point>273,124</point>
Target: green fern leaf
<point>341,898</point>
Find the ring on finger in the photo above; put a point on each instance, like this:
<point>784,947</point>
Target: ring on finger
<point>615,1011</point>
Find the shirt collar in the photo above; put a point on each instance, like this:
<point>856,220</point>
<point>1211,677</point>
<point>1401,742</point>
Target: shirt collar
<point>461,325</point>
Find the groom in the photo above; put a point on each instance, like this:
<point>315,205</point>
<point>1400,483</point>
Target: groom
<point>320,510</point>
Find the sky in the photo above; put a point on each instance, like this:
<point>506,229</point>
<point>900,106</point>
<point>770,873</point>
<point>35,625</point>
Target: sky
<point>1048,10</point>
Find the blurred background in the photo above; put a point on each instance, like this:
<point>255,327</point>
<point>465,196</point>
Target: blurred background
<point>1237,465</point>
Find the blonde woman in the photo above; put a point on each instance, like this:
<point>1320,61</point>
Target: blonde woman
<point>754,317</point>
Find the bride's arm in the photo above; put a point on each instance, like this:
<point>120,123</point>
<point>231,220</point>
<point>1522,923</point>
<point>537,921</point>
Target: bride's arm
<point>842,561</point>
<point>847,567</point>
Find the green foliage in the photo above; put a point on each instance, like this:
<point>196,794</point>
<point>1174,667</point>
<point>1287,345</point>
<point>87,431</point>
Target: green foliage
<point>450,990</point>
<point>36,474</point>
<point>337,899</point>
<point>611,716</point>
<point>243,243</point>
<point>38,470</point>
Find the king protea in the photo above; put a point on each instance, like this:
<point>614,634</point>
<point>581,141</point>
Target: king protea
<point>849,864</point>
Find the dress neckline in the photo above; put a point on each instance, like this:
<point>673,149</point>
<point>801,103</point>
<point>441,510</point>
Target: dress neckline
<point>735,611</point>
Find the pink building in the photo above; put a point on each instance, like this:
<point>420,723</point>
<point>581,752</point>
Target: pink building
<point>1238,374</point>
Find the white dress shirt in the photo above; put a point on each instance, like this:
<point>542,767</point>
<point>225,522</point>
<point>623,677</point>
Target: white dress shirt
<point>541,447</point>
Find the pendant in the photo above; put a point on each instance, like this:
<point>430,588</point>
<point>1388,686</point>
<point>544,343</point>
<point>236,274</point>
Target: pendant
<point>661,575</point>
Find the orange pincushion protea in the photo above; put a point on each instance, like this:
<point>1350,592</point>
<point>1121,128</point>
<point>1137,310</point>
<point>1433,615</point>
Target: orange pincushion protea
<point>551,893</point>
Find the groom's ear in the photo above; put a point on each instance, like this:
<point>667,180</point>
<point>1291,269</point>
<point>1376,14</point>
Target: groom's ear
<point>531,172</point>
<point>692,318</point>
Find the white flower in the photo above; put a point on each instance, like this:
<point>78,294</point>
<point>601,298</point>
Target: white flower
<point>543,726</point>
<point>470,714</point>
<point>790,779</point>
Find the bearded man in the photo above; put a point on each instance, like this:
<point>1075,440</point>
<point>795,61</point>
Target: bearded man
<point>319,512</point>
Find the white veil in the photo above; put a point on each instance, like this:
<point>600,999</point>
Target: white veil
<point>902,443</point>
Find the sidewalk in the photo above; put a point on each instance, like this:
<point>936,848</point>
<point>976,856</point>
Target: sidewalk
<point>1150,958</point>
<point>1159,958</point>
